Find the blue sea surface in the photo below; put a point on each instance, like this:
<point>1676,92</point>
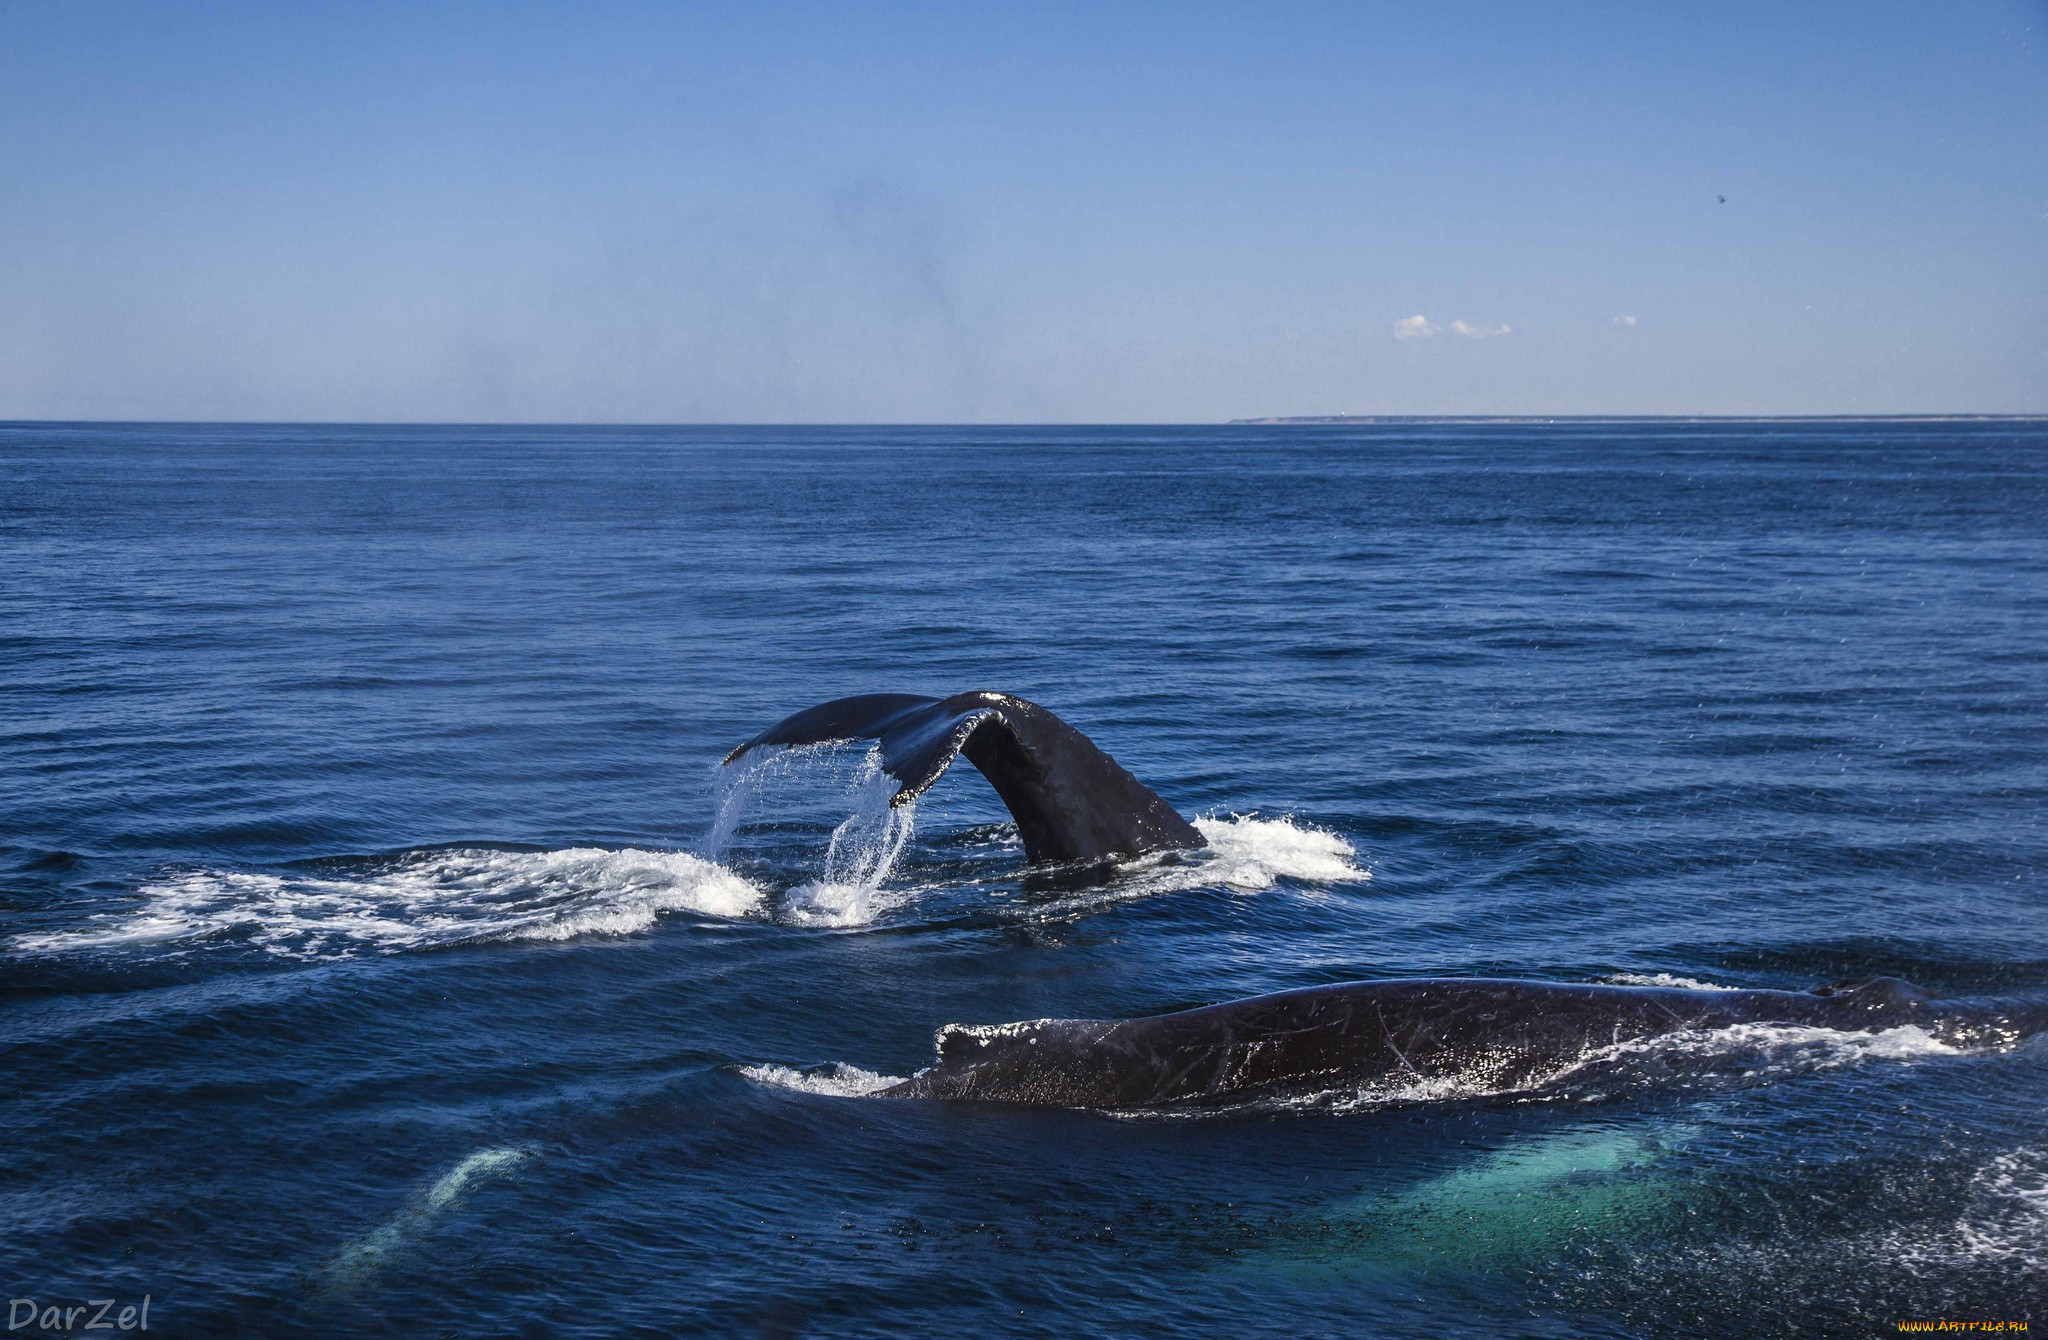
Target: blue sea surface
<point>383,950</point>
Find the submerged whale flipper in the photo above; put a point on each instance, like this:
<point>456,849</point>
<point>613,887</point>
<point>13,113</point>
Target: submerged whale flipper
<point>1071,801</point>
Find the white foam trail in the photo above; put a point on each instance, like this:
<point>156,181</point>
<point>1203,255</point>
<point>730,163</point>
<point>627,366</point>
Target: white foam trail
<point>360,1260</point>
<point>1246,852</point>
<point>423,898</point>
<point>1747,1052</point>
<point>1248,855</point>
<point>1665,979</point>
<point>833,1080</point>
<point>864,849</point>
<point>1743,1051</point>
<point>1786,1046</point>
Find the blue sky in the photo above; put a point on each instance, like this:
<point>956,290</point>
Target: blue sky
<point>948,212</point>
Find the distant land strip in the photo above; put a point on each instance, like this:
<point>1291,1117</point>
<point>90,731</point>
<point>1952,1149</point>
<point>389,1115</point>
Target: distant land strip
<point>1642,418</point>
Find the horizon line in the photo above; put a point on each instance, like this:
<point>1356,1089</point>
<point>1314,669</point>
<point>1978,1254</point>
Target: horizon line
<point>1264,421</point>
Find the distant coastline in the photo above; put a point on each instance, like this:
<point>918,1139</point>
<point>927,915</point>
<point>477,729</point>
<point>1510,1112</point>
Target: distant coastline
<point>1638,418</point>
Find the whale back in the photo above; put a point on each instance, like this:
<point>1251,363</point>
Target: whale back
<point>1419,1035</point>
<point>1072,802</point>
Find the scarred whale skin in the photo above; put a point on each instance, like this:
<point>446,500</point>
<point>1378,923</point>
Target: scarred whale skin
<point>1072,802</point>
<point>1486,1035</point>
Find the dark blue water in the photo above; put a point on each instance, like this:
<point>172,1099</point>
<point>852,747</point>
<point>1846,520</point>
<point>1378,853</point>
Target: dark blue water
<point>371,965</point>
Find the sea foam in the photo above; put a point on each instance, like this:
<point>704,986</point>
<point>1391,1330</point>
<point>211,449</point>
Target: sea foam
<point>417,899</point>
<point>1245,854</point>
<point>1737,1054</point>
<point>1249,853</point>
<point>1665,979</point>
<point>834,1079</point>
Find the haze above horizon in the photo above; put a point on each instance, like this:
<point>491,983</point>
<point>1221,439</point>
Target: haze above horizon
<point>906,213</point>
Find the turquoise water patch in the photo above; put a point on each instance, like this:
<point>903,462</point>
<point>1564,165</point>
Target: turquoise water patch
<point>1506,1210</point>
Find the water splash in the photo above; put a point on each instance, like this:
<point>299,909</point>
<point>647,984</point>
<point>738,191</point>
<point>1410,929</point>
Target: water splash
<point>1249,853</point>
<point>1245,854</point>
<point>865,847</point>
<point>739,786</point>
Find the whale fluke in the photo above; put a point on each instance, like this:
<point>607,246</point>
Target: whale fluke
<point>1071,801</point>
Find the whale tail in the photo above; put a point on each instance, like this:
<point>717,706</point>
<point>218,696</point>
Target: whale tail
<point>1071,801</point>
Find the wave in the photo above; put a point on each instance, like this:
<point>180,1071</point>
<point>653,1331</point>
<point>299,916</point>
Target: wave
<point>416,900</point>
<point>1245,854</point>
<point>1782,1048</point>
<point>2008,1213</point>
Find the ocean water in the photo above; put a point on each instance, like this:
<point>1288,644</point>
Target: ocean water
<point>383,951</point>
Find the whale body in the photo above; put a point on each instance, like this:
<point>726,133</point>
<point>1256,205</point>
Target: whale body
<point>1482,1035</point>
<point>1071,801</point>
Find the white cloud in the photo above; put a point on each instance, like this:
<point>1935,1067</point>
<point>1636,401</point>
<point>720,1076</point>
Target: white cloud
<point>1621,320</point>
<point>1421,328</point>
